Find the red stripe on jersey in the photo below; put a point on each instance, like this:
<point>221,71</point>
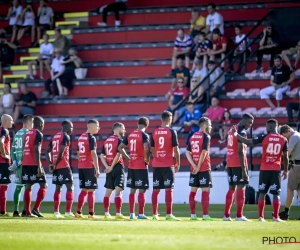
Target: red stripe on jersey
<point>111,149</point>
<point>29,141</point>
<point>272,147</point>
<point>56,145</point>
<point>196,143</point>
<point>85,159</point>
<point>163,148</point>
<point>233,160</point>
<point>6,147</point>
<point>137,151</point>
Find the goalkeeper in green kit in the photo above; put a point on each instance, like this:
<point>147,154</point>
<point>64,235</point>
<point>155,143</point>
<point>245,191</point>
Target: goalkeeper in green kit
<point>17,157</point>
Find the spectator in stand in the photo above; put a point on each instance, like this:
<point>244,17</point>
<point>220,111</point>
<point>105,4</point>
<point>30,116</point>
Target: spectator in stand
<point>179,72</point>
<point>44,59</point>
<point>243,47</point>
<point>7,52</point>
<point>179,93</point>
<point>28,25</point>
<point>294,106</point>
<point>61,42</point>
<point>46,20</point>
<point>119,5</point>
<point>57,69</point>
<point>215,113</point>
<point>26,103</point>
<point>204,47</point>
<point>197,23</point>
<point>223,131</point>
<point>15,21</point>
<point>71,62</point>
<point>7,101</point>
<point>214,20</point>
<point>268,45</point>
<point>292,52</point>
<point>221,47</point>
<point>281,78</point>
<point>216,78</point>
<point>200,73</point>
<point>184,48</point>
<point>191,119</point>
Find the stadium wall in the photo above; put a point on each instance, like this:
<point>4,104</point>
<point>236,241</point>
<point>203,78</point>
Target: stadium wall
<point>181,190</point>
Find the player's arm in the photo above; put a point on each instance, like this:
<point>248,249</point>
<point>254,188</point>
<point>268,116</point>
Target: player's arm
<point>64,143</point>
<point>242,140</point>
<point>176,150</point>
<point>103,158</point>
<point>189,157</point>
<point>3,135</point>
<point>93,148</point>
<point>48,153</point>
<point>146,147</point>
<point>37,152</point>
<point>117,157</point>
<point>204,151</point>
<point>285,160</point>
<point>152,143</point>
<point>121,148</point>
<point>13,152</point>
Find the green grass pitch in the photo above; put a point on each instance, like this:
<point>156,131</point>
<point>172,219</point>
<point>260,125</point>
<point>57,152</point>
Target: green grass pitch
<point>53,234</point>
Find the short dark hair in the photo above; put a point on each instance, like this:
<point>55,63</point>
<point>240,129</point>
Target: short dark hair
<point>166,115</point>
<point>284,129</point>
<point>45,34</point>
<point>25,84</point>
<point>202,34</point>
<point>37,120</point>
<point>92,121</point>
<point>272,121</point>
<point>239,27</point>
<point>278,57</point>
<point>143,121</point>
<point>203,120</point>
<point>213,5</point>
<point>181,29</point>
<point>27,118</point>
<point>66,122</point>
<point>216,31</point>
<point>195,10</point>
<point>226,111</point>
<point>211,62</point>
<point>189,103</point>
<point>58,30</point>
<point>247,116</point>
<point>117,125</point>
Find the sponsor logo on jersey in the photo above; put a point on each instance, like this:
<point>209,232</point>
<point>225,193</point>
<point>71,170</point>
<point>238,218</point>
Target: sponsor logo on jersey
<point>88,183</point>
<point>262,186</point>
<point>156,183</point>
<point>192,180</point>
<point>234,178</point>
<point>273,187</point>
<point>129,182</point>
<point>139,183</point>
<point>203,181</point>
<point>167,182</point>
<point>60,177</point>
<point>33,177</point>
<point>25,177</point>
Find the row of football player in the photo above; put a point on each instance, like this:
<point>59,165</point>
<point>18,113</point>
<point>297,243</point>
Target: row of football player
<point>164,145</point>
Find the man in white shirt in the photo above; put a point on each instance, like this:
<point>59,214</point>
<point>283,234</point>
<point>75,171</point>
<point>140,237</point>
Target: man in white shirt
<point>57,69</point>
<point>15,21</point>
<point>216,79</point>
<point>44,59</point>
<point>213,21</point>
<point>45,14</point>
<point>200,73</point>
<point>243,47</point>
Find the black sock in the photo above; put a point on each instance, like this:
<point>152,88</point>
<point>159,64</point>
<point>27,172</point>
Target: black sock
<point>2,212</point>
<point>286,210</point>
<point>91,213</point>
<point>78,212</point>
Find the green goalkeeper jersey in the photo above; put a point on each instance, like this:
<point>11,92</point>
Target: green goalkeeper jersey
<point>18,145</point>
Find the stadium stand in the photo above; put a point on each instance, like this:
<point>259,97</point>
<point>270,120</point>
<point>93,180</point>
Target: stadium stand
<point>127,66</point>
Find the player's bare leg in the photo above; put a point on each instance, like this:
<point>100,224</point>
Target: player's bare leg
<point>284,215</point>
<point>205,203</point>
<point>91,203</point>
<point>118,203</point>
<point>142,203</point>
<point>240,202</point>
<point>80,203</point>
<point>69,200</point>
<point>228,202</point>
<point>192,202</point>
<point>56,198</point>
<point>132,203</point>
<point>106,203</point>
<point>39,198</point>
<point>3,195</point>
<point>276,207</point>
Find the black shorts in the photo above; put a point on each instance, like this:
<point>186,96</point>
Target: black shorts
<point>115,178</point>
<point>191,55</point>
<point>43,59</point>
<point>137,178</point>
<point>5,177</point>
<point>269,180</point>
<point>9,29</point>
<point>87,178</point>
<point>201,180</point>
<point>7,61</point>
<point>163,178</point>
<point>62,176</point>
<point>45,26</point>
<point>29,175</point>
<point>235,176</point>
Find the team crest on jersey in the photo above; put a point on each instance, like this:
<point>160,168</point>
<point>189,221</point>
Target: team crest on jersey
<point>139,183</point>
<point>25,177</point>
<point>88,183</point>
<point>167,182</point>
<point>60,177</point>
<point>234,178</point>
<point>192,180</point>
<point>33,177</point>
<point>262,186</point>
<point>156,183</point>
<point>273,187</point>
<point>129,181</point>
<point>203,181</point>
